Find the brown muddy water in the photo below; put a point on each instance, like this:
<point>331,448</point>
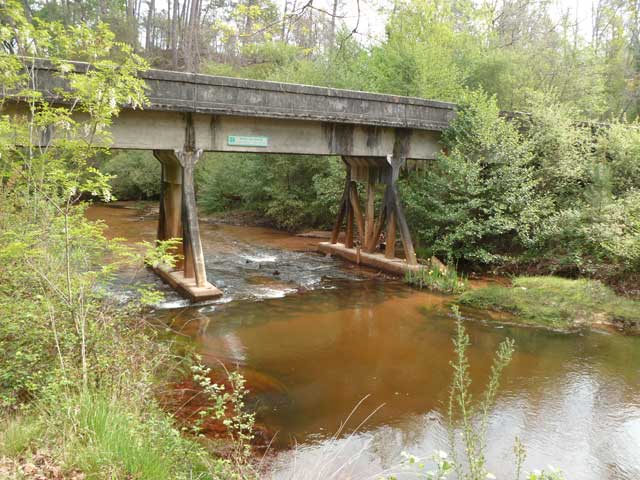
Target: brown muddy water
<point>316,337</point>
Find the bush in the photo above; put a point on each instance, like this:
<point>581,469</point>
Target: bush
<point>136,175</point>
<point>290,191</point>
<point>562,151</point>
<point>619,146</point>
<point>477,202</point>
<point>602,241</point>
<point>589,176</point>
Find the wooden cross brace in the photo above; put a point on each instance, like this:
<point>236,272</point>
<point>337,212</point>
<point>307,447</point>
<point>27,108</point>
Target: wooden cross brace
<point>390,213</point>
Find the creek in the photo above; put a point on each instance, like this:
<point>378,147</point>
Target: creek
<point>316,337</point>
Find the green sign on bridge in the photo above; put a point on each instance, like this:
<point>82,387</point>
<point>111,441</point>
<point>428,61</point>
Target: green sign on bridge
<point>247,141</point>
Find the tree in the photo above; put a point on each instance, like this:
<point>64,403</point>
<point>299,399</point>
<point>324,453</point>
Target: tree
<point>51,254</point>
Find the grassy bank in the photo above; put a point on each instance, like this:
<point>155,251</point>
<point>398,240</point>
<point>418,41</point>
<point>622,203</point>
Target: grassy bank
<point>95,436</point>
<point>557,303</point>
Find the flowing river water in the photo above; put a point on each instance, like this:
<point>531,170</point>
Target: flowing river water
<point>316,338</point>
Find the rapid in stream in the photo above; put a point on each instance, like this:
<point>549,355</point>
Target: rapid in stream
<point>316,337</point>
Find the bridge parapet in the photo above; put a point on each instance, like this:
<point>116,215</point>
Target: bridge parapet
<point>196,93</point>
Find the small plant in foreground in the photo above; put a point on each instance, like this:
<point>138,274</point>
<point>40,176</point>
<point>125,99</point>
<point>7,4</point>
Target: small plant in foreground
<point>445,280</point>
<point>461,403</point>
<point>228,405</point>
<point>472,422</point>
<point>443,466</point>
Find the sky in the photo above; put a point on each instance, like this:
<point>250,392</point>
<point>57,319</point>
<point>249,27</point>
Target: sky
<point>372,18</point>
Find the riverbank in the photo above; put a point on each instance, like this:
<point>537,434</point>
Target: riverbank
<point>557,303</point>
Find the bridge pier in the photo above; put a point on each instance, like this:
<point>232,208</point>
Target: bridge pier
<point>374,172</point>
<point>179,219</point>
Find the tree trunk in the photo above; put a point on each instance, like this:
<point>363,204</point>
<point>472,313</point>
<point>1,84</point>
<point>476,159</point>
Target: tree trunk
<point>148,37</point>
<point>174,34</point>
<point>332,32</point>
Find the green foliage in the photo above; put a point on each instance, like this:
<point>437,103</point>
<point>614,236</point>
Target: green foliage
<point>563,150</point>
<point>589,180</point>
<point>417,466</point>
<point>57,328</point>
<point>619,144</point>
<point>477,202</point>
<point>227,404</point>
<point>134,175</point>
<point>161,253</point>
<point>445,280</point>
<point>556,302</point>
<point>292,192</point>
<point>424,54</point>
<point>538,189</point>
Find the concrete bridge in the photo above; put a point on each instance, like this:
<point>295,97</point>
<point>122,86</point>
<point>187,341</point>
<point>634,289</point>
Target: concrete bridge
<point>189,114</point>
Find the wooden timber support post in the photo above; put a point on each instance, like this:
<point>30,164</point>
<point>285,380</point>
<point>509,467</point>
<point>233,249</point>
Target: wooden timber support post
<point>373,171</point>
<point>179,218</point>
<point>344,208</point>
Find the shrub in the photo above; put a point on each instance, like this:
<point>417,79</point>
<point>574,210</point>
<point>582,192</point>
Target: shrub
<point>619,146</point>
<point>602,241</point>
<point>477,202</point>
<point>562,151</point>
<point>135,175</point>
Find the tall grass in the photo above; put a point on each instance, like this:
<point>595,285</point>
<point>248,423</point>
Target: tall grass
<point>106,436</point>
<point>17,435</point>
<point>444,280</point>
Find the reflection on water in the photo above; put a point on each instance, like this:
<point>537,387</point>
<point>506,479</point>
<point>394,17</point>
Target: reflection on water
<point>315,337</point>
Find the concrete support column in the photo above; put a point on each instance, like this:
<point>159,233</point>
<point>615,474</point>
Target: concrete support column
<point>396,161</point>
<point>170,221</point>
<point>178,211</point>
<point>194,257</point>
<point>345,206</point>
<point>369,242</point>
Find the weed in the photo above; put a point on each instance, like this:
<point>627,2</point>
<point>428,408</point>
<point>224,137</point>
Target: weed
<point>228,406</point>
<point>445,280</point>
